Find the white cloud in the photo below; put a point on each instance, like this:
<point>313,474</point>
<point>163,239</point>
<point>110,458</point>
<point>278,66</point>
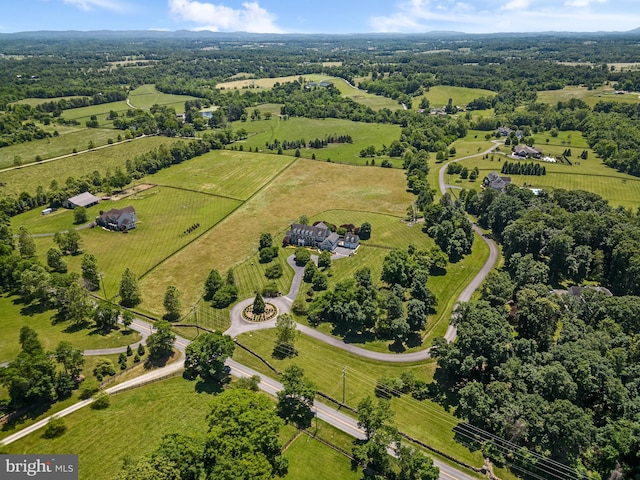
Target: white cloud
<point>208,16</point>
<point>519,5</point>
<point>412,16</point>
<point>582,3</point>
<point>91,4</point>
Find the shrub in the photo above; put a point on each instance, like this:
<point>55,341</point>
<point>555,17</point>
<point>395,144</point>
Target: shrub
<point>103,367</point>
<point>388,387</point>
<point>101,401</point>
<point>141,349</point>
<point>274,271</point>
<point>298,307</point>
<point>55,428</point>
<point>129,351</point>
<point>136,359</point>
<point>225,296</point>
<point>302,256</point>
<point>270,290</point>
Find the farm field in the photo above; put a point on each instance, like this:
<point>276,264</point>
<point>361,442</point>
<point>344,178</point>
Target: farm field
<point>224,172</point>
<point>363,134</point>
<point>439,95</point>
<point>37,101</point>
<point>170,406</point>
<point>154,239</point>
<point>590,175</point>
<point>375,102</point>
<point>28,178</point>
<point>74,137</point>
<point>146,96</point>
<point>272,210</point>
<point>83,114</point>
<point>590,97</point>
<point>15,315</point>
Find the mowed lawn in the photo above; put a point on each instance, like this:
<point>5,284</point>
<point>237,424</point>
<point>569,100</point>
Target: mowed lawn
<point>262,132</point>
<point>69,138</point>
<point>305,188</point>
<point>164,214</point>
<point>16,315</point>
<point>101,111</point>
<point>439,95</point>
<point>28,178</point>
<point>146,96</point>
<point>224,172</point>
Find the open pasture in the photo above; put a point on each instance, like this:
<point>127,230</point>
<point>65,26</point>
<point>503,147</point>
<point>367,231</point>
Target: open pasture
<point>223,172</point>
<point>376,102</point>
<point>15,315</point>
<point>590,175</point>
<point>590,97</point>
<point>83,114</point>
<point>305,188</point>
<point>26,179</point>
<point>146,96</point>
<point>164,214</point>
<point>439,95</point>
<point>363,134</point>
<point>69,138</point>
<point>38,101</point>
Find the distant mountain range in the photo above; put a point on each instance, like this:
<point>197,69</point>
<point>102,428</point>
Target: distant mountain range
<point>239,36</point>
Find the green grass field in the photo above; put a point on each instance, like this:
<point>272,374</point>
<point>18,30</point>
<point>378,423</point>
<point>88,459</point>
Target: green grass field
<point>439,95</point>
<point>163,214</point>
<point>171,406</point>
<point>590,175</point>
<point>324,365</point>
<point>37,101</point>
<point>375,102</point>
<point>28,178</point>
<point>306,187</point>
<point>101,111</point>
<point>223,172</point>
<point>146,96</point>
<point>69,138</point>
<point>363,134</point>
<point>16,315</point>
<point>590,97</point>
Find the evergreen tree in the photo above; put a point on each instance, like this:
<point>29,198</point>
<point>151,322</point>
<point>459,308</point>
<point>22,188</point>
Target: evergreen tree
<point>172,303</point>
<point>258,304</point>
<point>130,294</point>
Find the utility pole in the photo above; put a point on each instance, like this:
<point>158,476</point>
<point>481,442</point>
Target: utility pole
<point>344,384</point>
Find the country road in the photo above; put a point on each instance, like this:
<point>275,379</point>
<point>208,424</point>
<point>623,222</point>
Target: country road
<point>270,386</point>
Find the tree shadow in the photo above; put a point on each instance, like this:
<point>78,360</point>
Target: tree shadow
<point>414,340</point>
<point>75,327</point>
<point>359,337</point>
<point>30,309</point>
<point>208,386</point>
<point>18,417</point>
<point>157,362</point>
<point>397,347</point>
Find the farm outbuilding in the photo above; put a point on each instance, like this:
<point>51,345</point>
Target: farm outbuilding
<point>85,199</point>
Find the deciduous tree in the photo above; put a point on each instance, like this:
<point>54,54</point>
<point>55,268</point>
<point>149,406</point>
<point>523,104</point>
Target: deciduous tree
<point>205,357</point>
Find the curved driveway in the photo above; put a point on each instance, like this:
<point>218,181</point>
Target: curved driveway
<point>240,325</point>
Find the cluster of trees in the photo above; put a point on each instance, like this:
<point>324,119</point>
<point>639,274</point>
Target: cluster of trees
<point>302,143</point>
<point>33,378</point>
<point>57,106</point>
<point>448,225</point>
<point>17,125</point>
<point>356,307</point>
<point>222,293</point>
<point>522,168</point>
<point>563,235</point>
<point>376,418</point>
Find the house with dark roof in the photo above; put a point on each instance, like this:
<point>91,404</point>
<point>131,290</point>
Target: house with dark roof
<point>118,219</point>
<point>351,241</point>
<point>524,151</point>
<point>495,181</point>
<point>85,199</point>
<point>319,236</point>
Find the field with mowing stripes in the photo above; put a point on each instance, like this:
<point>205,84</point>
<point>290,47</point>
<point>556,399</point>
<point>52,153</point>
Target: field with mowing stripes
<point>439,95</point>
<point>306,187</point>
<point>164,214</point>
<point>232,174</point>
<point>363,134</point>
<point>146,96</point>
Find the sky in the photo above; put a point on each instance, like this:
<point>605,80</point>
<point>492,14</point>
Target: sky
<point>322,16</point>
